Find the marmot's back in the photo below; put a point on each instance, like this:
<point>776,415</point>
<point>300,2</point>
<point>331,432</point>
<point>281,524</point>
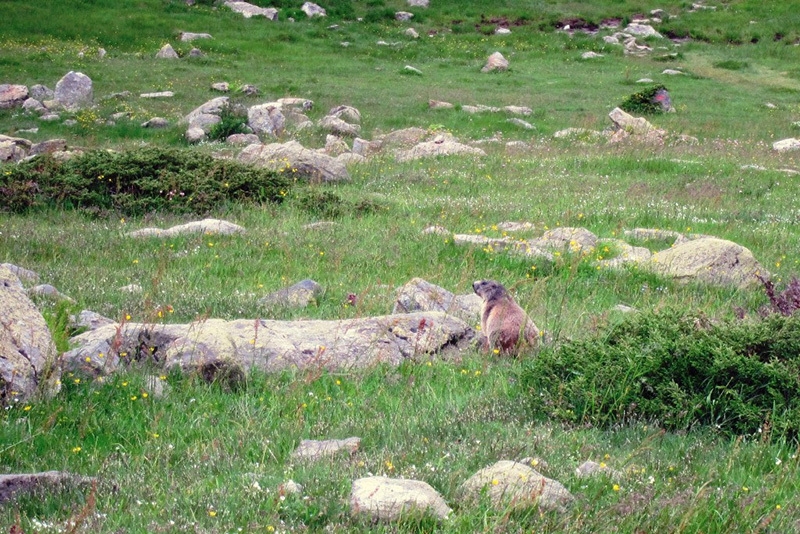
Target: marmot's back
<point>505,325</point>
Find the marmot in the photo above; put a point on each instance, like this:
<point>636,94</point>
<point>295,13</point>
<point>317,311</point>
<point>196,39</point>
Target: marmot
<point>504,325</point>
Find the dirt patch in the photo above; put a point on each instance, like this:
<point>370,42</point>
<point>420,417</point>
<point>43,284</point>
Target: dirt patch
<point>572,25</point>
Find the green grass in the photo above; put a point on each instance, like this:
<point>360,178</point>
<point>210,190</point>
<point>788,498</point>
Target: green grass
<point>205,459</point>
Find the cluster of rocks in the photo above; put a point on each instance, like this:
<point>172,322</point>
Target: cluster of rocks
<point>505,484</point>
<point>73,91</point>
<point>693,257</point>
<point>14,149</point>
<point>624,128</point>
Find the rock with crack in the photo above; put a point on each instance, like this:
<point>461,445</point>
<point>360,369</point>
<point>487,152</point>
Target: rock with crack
<point>390,499</point>
<point>216,346</point>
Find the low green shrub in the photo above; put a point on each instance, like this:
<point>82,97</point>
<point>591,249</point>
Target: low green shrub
<point>137,182</point>
<point>678,370</point>
<point>233,121</point>
<point>329,205</point>
<point>644,101</point>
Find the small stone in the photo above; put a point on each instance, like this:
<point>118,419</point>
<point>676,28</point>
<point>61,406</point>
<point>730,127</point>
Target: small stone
<point>411,32</point>
<point>156,122</point>
<point>160,94</point>
<point>222,87</point>
<point>403,16</point>
<point>167,52</point>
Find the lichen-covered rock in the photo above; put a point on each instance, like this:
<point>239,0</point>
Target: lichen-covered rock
<point>295,158</point>
<point>711,260</point>
<point>74,91</point>
<point>206,226</point>
<point>421,295</point>
<point>390,499</point>
<point>515,485</point>
<point>27,352</point>
<point>313,450</point>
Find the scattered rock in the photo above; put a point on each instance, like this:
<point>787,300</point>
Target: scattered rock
<point>266,119</point>
<point>46,290</point>
<point>589,469</point>
<point>89,320</point>
<point>502,31</point>
<point>213,346</point>
<point>20,272</point>
<point>159,94</point>
<point>206,226</point>
<point>243,139</point>
<point>590,55</point>
<point>521,123</point>
<point>389,499</point>
<point>167,52</point>
<point>313,10</point>
<point>411,32</point>
<point>189,36</point>
<point>74,91</point>
<point>156,122</point>
<point>12,96</point>
<point>495,62</point>
<point>339,127</point>
<point>196,52</point>
<point>346,113</point>
<point>290,487</point>
<point>41,93</point>
<point>642,30</point>
<point>437,104</point>
<point>299,295</point>
<point>403,16</point>
<point>248,10</point>
<point>671,72</point>
<point>249,90</point>
<point>711,260</point>
<point>303,162</point>
<point>515,485</point>
<point>440,146</point>
<point>421,295</point>
<point>334,146</point>
<point>569,238</point>
<point>195,135</point>
<point>27,351</point>
<point>11,152</point>
<point>222,87</point>
<point>313,450</point>
<point>418,3</point>
<point>32,105</point>
<point>786,145</point>
<point>412,70</point>
<point>133,289</point>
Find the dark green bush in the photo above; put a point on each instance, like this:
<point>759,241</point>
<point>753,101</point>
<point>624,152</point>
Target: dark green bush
<point>329,205</point>
<point>677,370</point>
<point>643,102</point>
<point>137,182</point>
<point>233,121</point>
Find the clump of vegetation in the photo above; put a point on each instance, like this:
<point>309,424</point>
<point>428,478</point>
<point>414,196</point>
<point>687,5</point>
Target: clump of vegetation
<point>678,370</point>
<point>233,121</point>
<point>136,182</point>
<point>785,302</point>
<point>731,64</point>
<point>644,102</point>
<point>329,205</point>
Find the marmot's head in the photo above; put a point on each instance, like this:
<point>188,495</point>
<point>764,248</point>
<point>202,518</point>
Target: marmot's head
<point>489,290</point>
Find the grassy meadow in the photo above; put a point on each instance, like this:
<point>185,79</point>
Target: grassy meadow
<point>207,459</point>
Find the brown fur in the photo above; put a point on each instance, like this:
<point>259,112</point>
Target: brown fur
<point>504,324</point>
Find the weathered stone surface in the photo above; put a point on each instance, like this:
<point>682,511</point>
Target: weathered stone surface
<point>249,10</point>
<point>335,145</point>
<point>296,103</point>
<point>298,295</point>
<point>195,135</point>
<point>27,352</point>
<point>189,36</point>
<point>440,146</point>
<point>10,151</point>
<point>418,3</point>
<point>411,32</point>
<point>243,139</point>
<point>41,93</point>
<point>573,239</point>
<point>266,119</point>
<point>31,105</point>
<point>204,117</point>
<point>389,499</point>
<point>497,62</point>
<point>590,55</point>
<point>49,291</point>
<point>337,126</point>
<point>155,122</point>
<point>366,148</point>
<point>515,485</point>
<point>404,138</point>
<point>313,450</point>
<point>421,295</point>
<point>348,158</point>
<point>626,121</point>
<point>48,482</point>
<point>711,260</point>
<point>785,145</point>
<point>214,345</point>
<point>89,320</point>
<point>313,10</point>
<point>158,94</point>
<point>438,104</point>
<point>48,147</point>
<point>222,87</point>
<point>295,158</point>
<point>346,113</point>
<point>627,254</point>
<point>589,469</point>
<point>206,226</point>
<point>23,274</point>
<point>74,91</point>
<point>167,52</point>
<point>403,16</point>
<point>12,95</point>
<point>642,30</point>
